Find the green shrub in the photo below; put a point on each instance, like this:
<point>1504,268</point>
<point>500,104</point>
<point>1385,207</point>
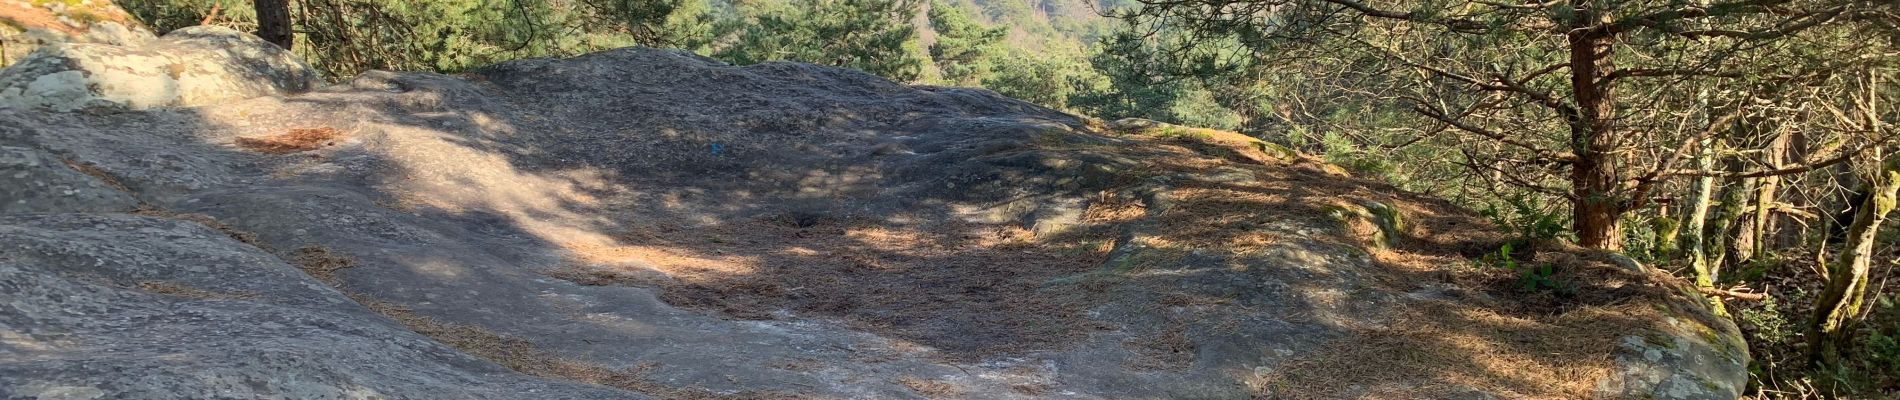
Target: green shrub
<point>1530,278</point>
<point>1883,342</point>
<point>1529,219</point>
<point>1768,321</point>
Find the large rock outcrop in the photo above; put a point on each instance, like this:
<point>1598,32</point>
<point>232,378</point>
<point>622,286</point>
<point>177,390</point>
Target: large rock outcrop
<point>27,25</point>
<point>187,67</point>
<point>658,223</point>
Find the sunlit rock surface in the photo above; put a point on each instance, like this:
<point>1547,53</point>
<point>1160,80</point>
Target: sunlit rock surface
<point>26,25</point>
<point>650,222</point>
<point>104,306</point>
<point>192,66</point>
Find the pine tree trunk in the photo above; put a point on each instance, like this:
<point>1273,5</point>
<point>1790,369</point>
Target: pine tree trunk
<point>1596,211</point>
<point>273,21</point>
<point>1839,306</point>
<point>1597,216</point>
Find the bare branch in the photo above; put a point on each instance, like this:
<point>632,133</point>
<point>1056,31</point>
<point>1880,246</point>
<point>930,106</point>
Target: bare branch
<point>1546,154</point>
<point>1514,179</point>
<point>1786,27</point>
<point>1843,157</point>
<point>1668,72</point>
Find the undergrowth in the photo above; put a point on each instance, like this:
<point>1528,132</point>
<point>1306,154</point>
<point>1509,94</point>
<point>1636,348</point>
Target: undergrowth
<point>1531,276</point>
<point>1530,223</point>
<point>1775,329</point>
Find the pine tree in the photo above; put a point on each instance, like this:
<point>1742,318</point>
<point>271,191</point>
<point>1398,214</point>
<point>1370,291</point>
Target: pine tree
<point>965,51</point>
<point>869,35</point>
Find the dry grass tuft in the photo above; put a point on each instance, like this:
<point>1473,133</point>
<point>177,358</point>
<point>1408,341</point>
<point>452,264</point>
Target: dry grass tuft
<point>320,263</point>
<point>96,173</point>
<point>930,388</point>
<point>1170,350</point>
<point>206,220</point>
<point>1031,389</point>
<point>596,275</point>
<point>1112,208</point>
<point>1456,347</point>
<point>1232,147</point>
<point>177,290</point>
<point>296,140</point>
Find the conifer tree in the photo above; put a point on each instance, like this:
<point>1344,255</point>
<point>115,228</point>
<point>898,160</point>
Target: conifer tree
<point>869,35</point>
<point>965,51</point>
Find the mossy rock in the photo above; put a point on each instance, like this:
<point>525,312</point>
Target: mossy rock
<point>1132,126</point>
<point>1145,258</point>
<point>1276,150</point>
<point>1388,221</point>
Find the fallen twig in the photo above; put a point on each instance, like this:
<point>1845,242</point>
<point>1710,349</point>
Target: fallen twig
<point>211,16</point>
<point>1746,296</point>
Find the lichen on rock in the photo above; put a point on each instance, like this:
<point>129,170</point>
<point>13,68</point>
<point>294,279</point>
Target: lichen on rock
<point>191,66</point>
<point>1378,223</point>
<point>28,25</point>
